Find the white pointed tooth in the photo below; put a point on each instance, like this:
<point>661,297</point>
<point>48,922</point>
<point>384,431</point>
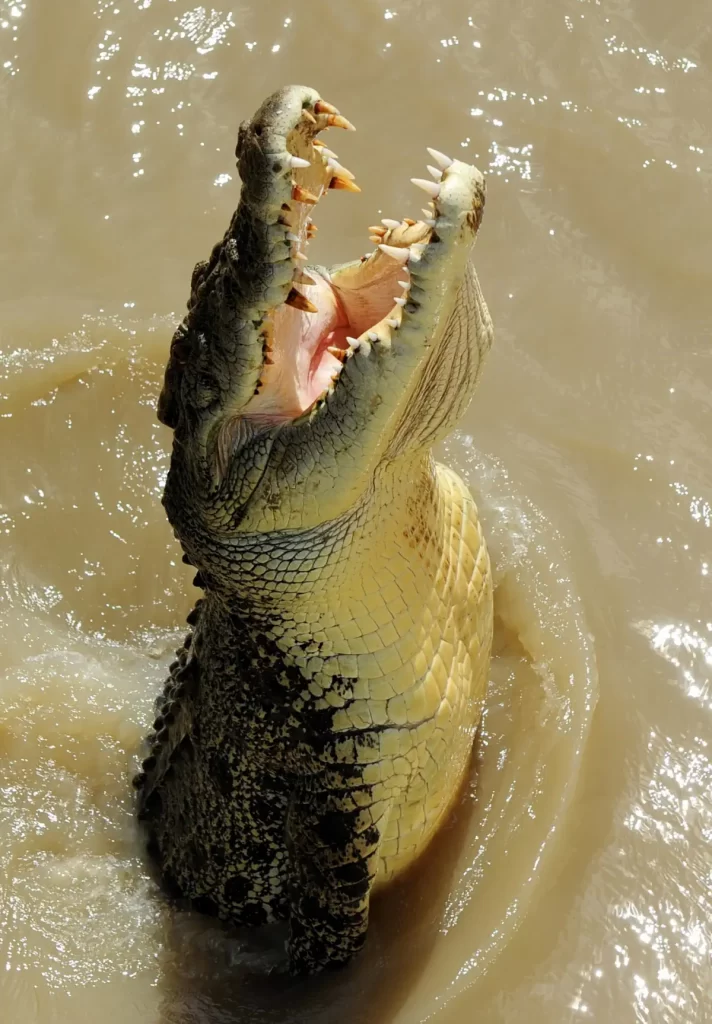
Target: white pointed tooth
<point>427,186</point>
<point>393,323</point>
<point>430,221</point>
<point>404,284</point>
<point>417,249</point>
<point>375,239</point>
<point>440,159</point>
<point>400,301</point>
<point>372,336</point>
<point>335,167</point>
<point>435,172</point>
<point>300,277</point>
<point>293,238</point>
<point>353,342</point>
<point>296,161</point>
<point>396,253</point>
<point>428,213</point>
<point>329,153</point>
<point>390,224</point>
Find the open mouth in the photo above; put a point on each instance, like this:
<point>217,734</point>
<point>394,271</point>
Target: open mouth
<point>324,317</point>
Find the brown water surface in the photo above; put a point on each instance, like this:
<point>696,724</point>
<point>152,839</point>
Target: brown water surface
<point>574,882</point>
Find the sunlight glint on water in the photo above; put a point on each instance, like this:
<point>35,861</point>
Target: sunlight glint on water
<point>574,885</point>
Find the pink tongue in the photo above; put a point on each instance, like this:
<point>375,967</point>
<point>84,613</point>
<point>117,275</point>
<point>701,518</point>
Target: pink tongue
<point>323,364</point>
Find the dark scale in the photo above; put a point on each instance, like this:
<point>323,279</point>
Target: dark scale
<point>219,810</point>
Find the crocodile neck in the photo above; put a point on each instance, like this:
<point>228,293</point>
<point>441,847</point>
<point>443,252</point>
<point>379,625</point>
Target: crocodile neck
<point>353,568</point>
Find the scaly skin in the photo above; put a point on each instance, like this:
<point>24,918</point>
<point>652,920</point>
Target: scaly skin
<point>319,720</point>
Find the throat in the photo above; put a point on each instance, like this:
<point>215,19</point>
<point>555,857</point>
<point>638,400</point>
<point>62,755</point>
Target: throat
<point>297,343</point>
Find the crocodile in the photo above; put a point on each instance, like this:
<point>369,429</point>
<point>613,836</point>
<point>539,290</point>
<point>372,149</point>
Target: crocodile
<point>318,721</point>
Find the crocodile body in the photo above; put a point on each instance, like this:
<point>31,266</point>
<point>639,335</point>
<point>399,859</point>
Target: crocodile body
<point>319,719</point>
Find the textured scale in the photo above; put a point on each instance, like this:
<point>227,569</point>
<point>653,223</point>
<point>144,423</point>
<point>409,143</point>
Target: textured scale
<point>318,722</point>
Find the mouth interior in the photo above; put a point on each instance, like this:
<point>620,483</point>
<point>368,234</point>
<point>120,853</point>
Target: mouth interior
<point>302,365</point>
<point>308,337</point>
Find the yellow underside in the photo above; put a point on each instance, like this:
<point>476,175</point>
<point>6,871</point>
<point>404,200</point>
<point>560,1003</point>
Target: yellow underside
<point>421,776</point>
<point>410,621</point>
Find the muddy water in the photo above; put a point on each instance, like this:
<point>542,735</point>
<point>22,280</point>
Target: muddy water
<point>573,883</point>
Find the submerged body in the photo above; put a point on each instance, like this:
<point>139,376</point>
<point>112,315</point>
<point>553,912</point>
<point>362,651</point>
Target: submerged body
<point>319,720</point>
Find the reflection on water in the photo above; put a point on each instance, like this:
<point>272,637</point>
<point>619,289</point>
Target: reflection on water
<point>688,647</point>
<point>573,882</point>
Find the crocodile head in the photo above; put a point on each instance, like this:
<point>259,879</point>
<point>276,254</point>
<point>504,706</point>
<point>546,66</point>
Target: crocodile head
<point>288,385</point>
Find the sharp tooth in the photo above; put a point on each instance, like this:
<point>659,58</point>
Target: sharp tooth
<point>330,153</point>
<point>360,345</point>
<point>372,336</point>
<point>430,221</point>
<point>391,224</point>
<point>408,221</point>
<point>303,195</point>
<point>322,107</point>
<point>301,277</point>
<point>344,183</point>
<point>427,186</point>
<point>417,249</point>
<point>404,284</point>
<point>400,301</point>
<point>337,121</point>
<point>299,301</point>
<point>434,172</point>
<point>429,212</point>
<point>335,167</point>
<point>395,252</point>
<point>376,229</point>
<point>299,255</point>
<point>376,239</point>
<point>296,162</point>
<point>338,353</point>
<point>311,230</point>
<point>293,238</point>
<point>393,323</point>
<point>318,143</point>
<point>440,159</point>
<point>309,116</point>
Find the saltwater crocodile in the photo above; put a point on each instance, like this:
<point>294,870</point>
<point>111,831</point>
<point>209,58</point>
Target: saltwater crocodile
<point>319,719</point>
